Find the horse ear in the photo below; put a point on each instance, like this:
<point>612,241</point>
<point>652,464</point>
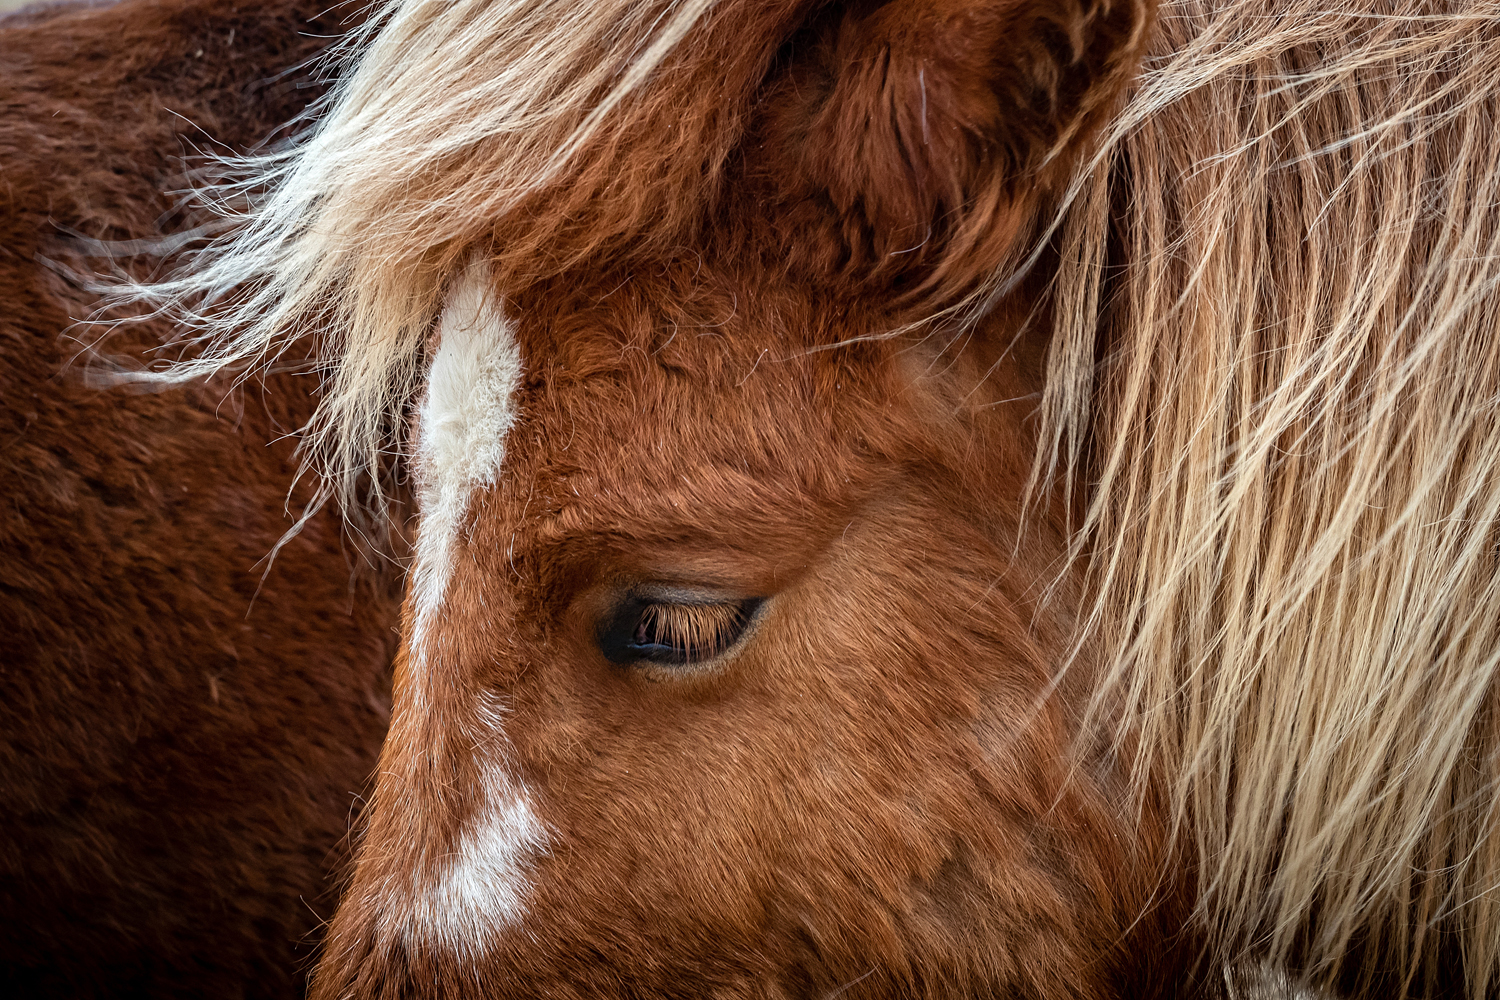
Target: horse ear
<point>933,128</point>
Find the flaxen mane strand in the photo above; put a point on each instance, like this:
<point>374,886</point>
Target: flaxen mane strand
<point>1291,240</point>
<point>520,126</point>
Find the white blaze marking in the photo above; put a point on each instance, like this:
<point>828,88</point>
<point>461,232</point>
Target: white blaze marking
<point>465,417</point>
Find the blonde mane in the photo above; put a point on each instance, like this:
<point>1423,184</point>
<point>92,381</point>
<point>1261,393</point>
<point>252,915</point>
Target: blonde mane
<point>1288,456</point>
<point>1290,239</point>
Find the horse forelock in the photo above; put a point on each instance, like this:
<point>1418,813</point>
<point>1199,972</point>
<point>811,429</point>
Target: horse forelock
<point>537,134</point>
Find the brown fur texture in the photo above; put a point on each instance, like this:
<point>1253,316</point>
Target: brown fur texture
<point>182,742</point>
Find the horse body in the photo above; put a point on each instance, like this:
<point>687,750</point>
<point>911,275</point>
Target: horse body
<point>915,499</point>
<point>183,740</point>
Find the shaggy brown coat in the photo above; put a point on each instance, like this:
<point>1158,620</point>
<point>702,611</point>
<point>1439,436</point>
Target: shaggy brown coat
<point>182,742</point>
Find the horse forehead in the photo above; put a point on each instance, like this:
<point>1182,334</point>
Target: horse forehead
<point>750,421</point>
<point>658,401</point>
<point>714,324</point>
<point>700,372</point>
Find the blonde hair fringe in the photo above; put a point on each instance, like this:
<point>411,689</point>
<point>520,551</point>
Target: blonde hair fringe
<point>447,118</point>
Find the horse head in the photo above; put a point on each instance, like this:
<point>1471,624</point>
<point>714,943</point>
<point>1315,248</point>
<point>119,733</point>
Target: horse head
<point>733,659</point>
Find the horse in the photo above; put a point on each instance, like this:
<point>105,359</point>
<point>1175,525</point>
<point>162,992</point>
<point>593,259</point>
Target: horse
<point>913,498</point>
<point>185,733</point>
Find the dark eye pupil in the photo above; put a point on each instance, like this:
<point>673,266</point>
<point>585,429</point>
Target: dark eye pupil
<point>643,630</point>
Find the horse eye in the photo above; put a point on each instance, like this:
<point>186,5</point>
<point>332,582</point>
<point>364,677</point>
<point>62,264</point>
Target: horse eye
<point>675,633</point>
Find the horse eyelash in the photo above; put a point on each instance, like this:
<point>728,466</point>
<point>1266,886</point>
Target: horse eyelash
<point>674,633</point>
<point>699,631</point>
